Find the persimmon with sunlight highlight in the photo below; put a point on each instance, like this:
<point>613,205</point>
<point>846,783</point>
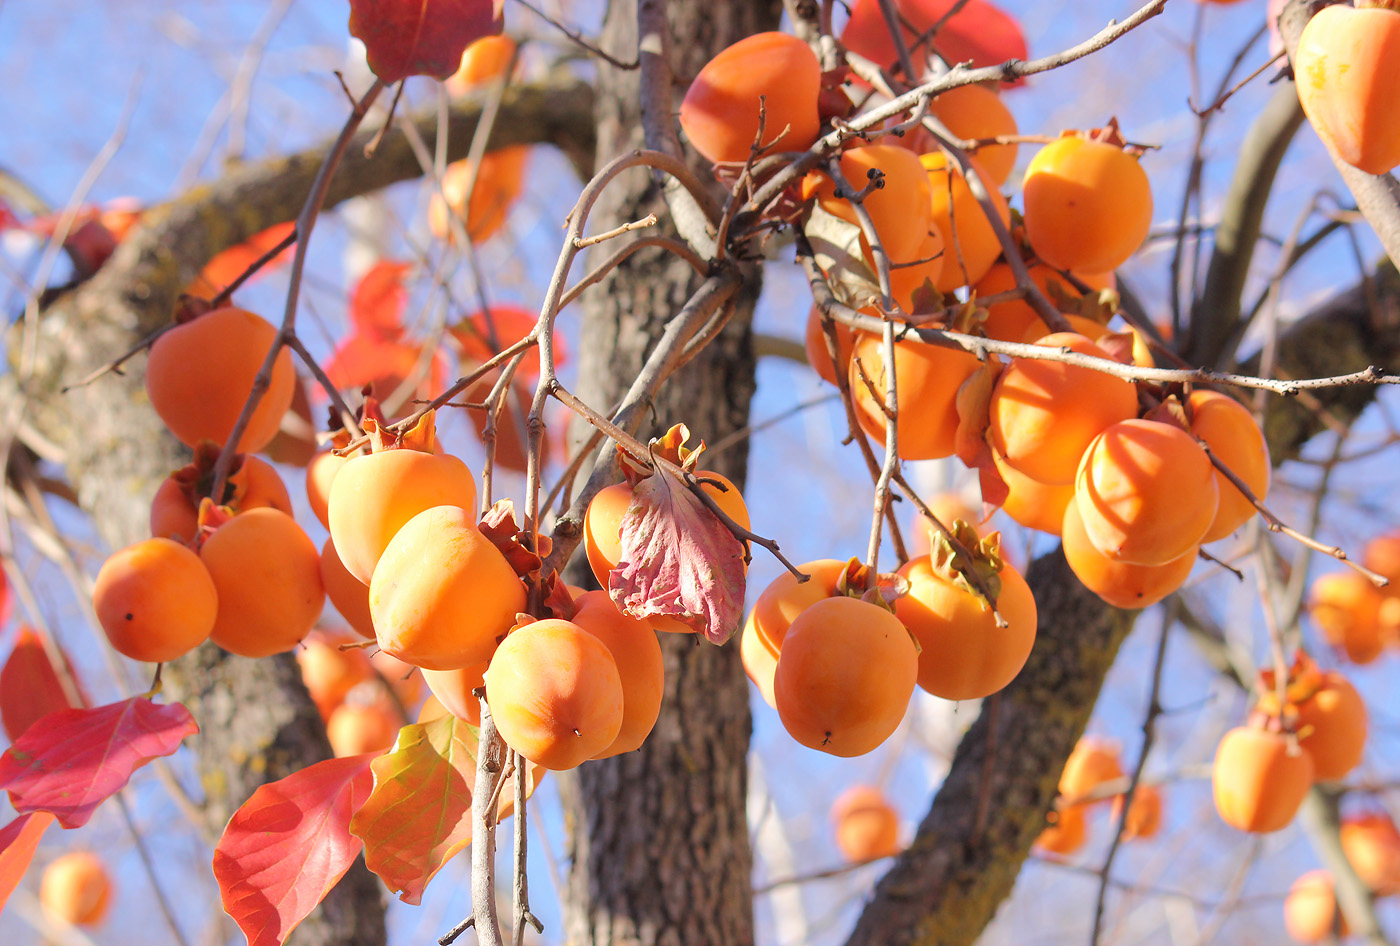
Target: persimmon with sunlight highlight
<point>199,375</point>
<point>1146,492</point>
<point>721,111</point>
<point>1044,414</point>
<point>494,190</point>
<point>76,889</point>
<point>786,597</point>
<point>970,240</point>
<point>1310,910</point>
<point>972,112</point>
<point>268,577</point>
<point>443,595</point>
<point>963,654</point>
<point>1327,712</point>
<point>320,474</point>
<point>1259,779</point>
<point>845,674</point>
<point>1121,584</point>
<point>1144,818</point>
<point>1229,429</point>
<point>867,826</point>
<point>555,693</point>
<point>1088,203</point>
<point>637,655</point>
<point>760,660</point>
<point>927,379</point>
<point>373,496</point>
<point>1092,762</point>
<point>1346,607</point>
<point>155,600</point>
<point>1065,831</point>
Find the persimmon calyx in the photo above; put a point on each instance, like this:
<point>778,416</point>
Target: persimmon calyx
<point>986,562</point>
<point>858,581</point>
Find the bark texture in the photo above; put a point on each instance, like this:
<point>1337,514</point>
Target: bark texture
<point>658,843</point>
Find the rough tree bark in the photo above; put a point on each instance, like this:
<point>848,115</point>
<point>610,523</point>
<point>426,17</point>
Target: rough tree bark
<point>659,844</point>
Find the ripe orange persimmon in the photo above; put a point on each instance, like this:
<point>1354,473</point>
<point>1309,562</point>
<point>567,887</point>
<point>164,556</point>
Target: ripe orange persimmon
<point>1044,414</point>
<point>484,60</point>
<point>867,826</point>
<point>1033,504</point>
<point>404,679</point>
<point>1146,492</point>
<point>1372,845</point>
<point>1121,584</point>
<point>637,654</point>
<point>354,728</point>
<point>75,889</point>
<point>1347,70</point>
<point>373,496</point>
<point>1382,555</point>
<point>975,111</point>
<point>1012,321</point>
<point>320,474</point>
<point>200,373</point>
<point>786,597</point>
<point>268,576</point>
<point>1310,910</point>
<point>971,241</point>
<point>453,690</point>
<point>927,379</point>
<point>443,595</point>
<point>909,275</point>
<point>1066,831</point>
<point>497,186</point>
<point>845,674</point>
<point>1092,763</point>
<point>1144,815</point>
<point>155,600</point>
<point>760,660</point>
<point>1327,712</point>
<point>720,111</point>
<point>895,207</point>
<point>1229,430</point>
<point>348,594</point>
<point>1259,780</point>
<point>964,655</point>
<point>1088,204</point>
<point>253,485</point>
<point>329,672</point>
<point>1346,607</point>
<point>555,693</point>
<point>602,528</point>
<point>814,339</point>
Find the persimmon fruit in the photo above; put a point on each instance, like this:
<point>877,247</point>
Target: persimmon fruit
<point>268,577</point>
<point>1146,492</point>
<point>253,485</point>
<point>637,654</point>
<point>895,207</point>
<point>442,595</point>
<point>971,243</point>
<point>845,674</point>
<point>348,594</point>
<point>867,826</point>
<point>1347,70</point>
<point>331,673</point>
<point>927,378</point>
<point>1091,763</point>
<point>818,356</point>
<point>355,728</point>
<point>1031,503</point>
<point>155,600</point>
<point>1310,910</point>
<point>555,693</point>
<point>1088,204</point>
<point>199,375</point>
<point>453,690</point>
<point>1144,818</point>
<point>1346,607</point>
<point>1044,414</point>
<point>1121,584</point>
<point>497,186</point>
<point>76,889</point>
<point>1259,780</point>
<point>720,111</point>
<point>1065,832</point>
<point>1371,843</point>
<point>1229,430</point>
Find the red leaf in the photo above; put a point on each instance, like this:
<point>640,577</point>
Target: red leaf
<point>227,266</point>
<point>29,687</point>
<point>511,324</point>
<point>979,32</point>
<point>420,812</point>
<point>378,301</point>
<point>71,761</point>
<point>18,841</point>
<point>678,560</point>
<point>288,845</point>
<point>364,359</point>
<point>420,37</point>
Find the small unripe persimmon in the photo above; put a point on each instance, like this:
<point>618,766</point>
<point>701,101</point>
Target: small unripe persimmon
<point>76,889</point>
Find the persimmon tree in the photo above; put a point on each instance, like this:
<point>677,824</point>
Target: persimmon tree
<point>956,326</point>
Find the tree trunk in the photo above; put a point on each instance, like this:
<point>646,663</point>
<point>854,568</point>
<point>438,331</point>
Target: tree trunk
<point>659,844</point>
